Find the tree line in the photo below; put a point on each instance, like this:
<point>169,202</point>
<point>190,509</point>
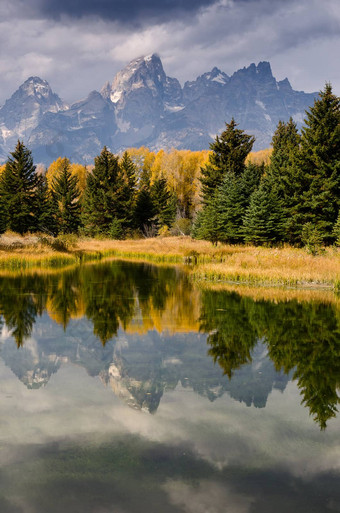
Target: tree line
<point>113,203</point>
<point>293,196</point>
<point>294,199</point>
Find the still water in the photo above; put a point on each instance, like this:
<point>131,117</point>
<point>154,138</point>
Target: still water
<point>127,389</point>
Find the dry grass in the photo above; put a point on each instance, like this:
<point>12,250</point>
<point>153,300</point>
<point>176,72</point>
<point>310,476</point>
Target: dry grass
<point>242,264</point>
<point>280,266</point>
<point>288,266</point>
<point>276,294</point>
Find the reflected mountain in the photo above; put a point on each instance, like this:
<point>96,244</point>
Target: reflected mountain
<point>147,329</point>
<point>302,339</point>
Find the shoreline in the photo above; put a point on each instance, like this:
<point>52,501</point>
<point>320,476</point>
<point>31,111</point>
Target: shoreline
<point>248,265</point>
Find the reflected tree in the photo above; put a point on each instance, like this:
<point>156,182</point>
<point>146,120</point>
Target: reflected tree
<point>301,338</point>
<point>20,303</point>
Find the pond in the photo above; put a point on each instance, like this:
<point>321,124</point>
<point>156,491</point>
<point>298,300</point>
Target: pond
<point>126,388</point>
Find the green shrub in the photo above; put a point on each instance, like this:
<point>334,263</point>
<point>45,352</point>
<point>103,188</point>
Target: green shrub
<point>116,231</point>
<point>312,238</point>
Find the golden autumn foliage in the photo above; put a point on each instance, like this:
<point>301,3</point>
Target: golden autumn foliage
<point>76,170</point>
<point>181,168</point>
<point>260,157</point>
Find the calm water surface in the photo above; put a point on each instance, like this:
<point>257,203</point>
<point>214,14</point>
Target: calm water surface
<point>125,389</point>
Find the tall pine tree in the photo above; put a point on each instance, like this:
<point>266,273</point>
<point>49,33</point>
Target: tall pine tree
<point>164,202</point>
<point>144,213</point>
<point>18,189</point>
<point>3,210</point>
<point>66,197</point>
<point>128,192</point>
<point>285,175</point>
<point>232,201</point>
<point>45,207</point>
<point>101,197</point>
<point>319,165</point>
<point>264,218</point>
<point>228,154</point>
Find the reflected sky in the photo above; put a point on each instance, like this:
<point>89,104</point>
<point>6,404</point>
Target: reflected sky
<point>147,421</point>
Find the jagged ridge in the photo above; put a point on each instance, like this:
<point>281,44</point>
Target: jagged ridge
<point>143,106</point>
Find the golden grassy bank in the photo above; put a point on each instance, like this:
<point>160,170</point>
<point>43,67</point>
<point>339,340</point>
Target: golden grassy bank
<point>242,264</point>
<point>247,264</point>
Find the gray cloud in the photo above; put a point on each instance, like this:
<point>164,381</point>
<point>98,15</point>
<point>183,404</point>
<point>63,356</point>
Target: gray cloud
<point>77,51</point>
<point>129,12</point>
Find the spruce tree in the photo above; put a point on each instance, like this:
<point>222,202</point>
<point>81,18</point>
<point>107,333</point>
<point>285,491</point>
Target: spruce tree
<point>206,223</point>
<point>3,210</point>
<point>144,214</point>
<point>66,197</point>
<point>264,218</point>
<point>19,182</point>
<point>336,231</point>
<point>164,202</point>
<point>232,201</point>
<point>228,154</point>
<point>45,208</point>
<point>319,164</point>
<point>128,192</point>
<point>100,201</point>
<point>285,175</point>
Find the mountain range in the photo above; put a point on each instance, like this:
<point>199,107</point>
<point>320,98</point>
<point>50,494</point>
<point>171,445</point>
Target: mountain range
<point>143,106</point>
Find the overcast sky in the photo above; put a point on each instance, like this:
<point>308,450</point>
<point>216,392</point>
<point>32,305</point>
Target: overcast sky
<point>77,45</point>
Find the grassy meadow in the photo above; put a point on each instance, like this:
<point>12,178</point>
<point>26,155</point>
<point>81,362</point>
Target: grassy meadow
<point>250,265</point>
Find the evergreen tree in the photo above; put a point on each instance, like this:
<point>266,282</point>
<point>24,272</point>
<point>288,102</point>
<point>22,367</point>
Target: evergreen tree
<point>66,197</point>
<point>228,154</point>
<point>128,193</point>
<point>3,210</point>
<point>233,199</point>
<point>100,201</point>
<point>144,213</point>
<point>264,219</point>
<point>319,163</point>
<point>336,231</point>
<point>164,202</point>
<point>285,174</point>
<point>206,223</point>
<point>45,207</point>
<point>18,187</point>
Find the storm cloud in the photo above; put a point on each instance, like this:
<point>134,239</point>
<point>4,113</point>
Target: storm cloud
<point>123,11</point>
<point>78,45</point>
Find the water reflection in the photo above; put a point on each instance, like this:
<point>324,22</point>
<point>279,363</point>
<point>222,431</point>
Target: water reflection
<point>117,320</point>
<point>302,338</point>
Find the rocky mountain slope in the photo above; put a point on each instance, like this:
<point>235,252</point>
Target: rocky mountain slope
<point>143,106</point>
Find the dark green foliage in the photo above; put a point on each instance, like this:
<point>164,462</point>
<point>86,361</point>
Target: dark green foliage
<point>144,211</point>
<point>101,198</point>
<point>336,231</point>
<point>116,230</point>
<point>164,202</point>
<point>128,192</point>
<point>18,188</point>
<point>232,201</point>
<point>303,341</point>
<point>284,175</point>
<point>229,152</point>
<point>45,208</point>
<point>286,139</point>
<point>264,219</point>
<point>319,165</point>
<point>66,198</point>
<point>311,238</point>
<point>206,223</point>
<point>3,211</point>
